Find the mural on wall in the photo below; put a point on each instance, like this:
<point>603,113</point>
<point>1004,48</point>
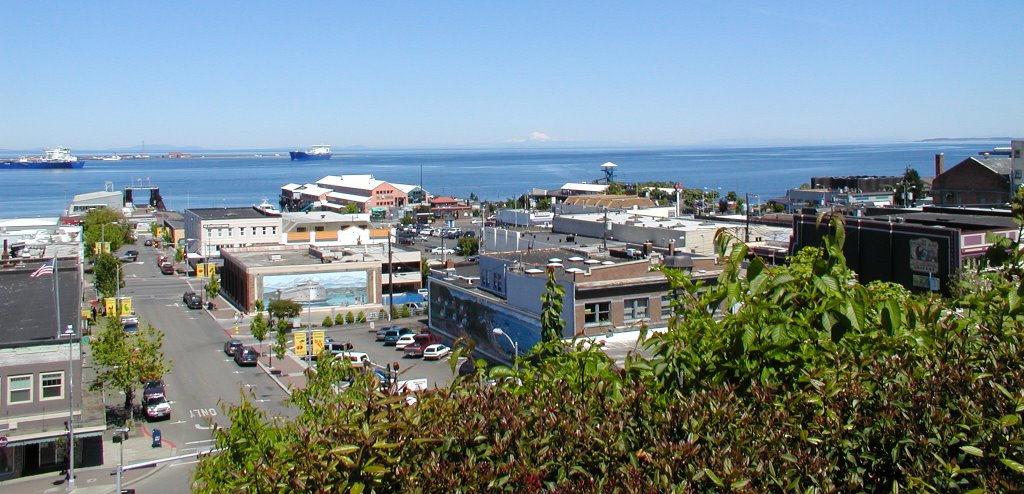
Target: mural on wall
<point>317,289</point>
<point>460,314</point>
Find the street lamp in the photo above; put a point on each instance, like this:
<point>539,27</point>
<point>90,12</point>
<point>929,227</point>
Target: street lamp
<point>120,465</point>
<point>515,346</point>
<point>70,334</point>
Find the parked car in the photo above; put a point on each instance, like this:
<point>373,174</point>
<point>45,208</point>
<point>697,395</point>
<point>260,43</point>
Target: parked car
<point>167,268</point>
<point>192,300</point>
<point>442,250</point>
<point>153,389</point>
<point>413,351</point>
<point>148,242</point>
<point>358,360</point>
<point>404,341</point>
<point>157,407</point>
<point>383,331</point>
<point>392,335</point>
<point>232,346</point>
<point>246,356</point>
<point>436,351</point>
<point>130,324</point>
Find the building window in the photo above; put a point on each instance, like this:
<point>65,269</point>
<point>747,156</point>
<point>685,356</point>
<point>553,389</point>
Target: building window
<point>301,229</point>
<point>51,386</point>
<point>241,231</point>
<point>319,228</point>
<point>635,308</point>
<point>597,313</point>
<point>264,230</point>
<point>19,389</point>
<point>254,230</point>
<point>666,307</point>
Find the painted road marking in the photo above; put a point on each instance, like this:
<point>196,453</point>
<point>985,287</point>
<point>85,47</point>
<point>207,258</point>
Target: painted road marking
<point>200,442</point>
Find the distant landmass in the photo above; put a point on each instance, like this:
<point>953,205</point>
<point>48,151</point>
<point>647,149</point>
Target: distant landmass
<point>967,139</point>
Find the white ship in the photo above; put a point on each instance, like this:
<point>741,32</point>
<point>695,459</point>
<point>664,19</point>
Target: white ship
<point>308,291</point>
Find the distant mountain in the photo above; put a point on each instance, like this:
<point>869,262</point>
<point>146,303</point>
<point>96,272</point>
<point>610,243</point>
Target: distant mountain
<point>967,139</point>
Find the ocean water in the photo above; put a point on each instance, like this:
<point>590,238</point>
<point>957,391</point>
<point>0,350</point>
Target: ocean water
<point>490,174</point>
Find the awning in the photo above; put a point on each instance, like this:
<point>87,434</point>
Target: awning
<point>51,436</point>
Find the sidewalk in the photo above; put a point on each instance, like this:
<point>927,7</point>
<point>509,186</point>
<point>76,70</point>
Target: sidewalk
<point>289,373</point>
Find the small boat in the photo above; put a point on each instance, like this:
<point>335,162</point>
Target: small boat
<point>316,152</point>
<point>59,158</point>
<point>113,157</point>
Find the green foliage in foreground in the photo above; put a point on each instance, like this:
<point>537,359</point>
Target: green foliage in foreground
<point>795,379</point>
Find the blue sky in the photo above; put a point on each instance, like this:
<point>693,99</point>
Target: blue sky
<point>237,75</point>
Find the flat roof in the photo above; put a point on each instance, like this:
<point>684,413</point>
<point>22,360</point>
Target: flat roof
<point>257,257</point>
<point>27,303</point>
<point>227,213</point>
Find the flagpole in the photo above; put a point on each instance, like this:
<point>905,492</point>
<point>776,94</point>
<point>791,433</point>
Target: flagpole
<point>71,378</point>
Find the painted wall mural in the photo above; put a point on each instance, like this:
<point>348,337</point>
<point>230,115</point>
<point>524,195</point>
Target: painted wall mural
<point>317,289</point>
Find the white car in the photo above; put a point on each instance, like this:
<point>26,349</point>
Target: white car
<point>404,341</point>
<point>442,250</point>
<point>157,407</point>
<point>436,351</point>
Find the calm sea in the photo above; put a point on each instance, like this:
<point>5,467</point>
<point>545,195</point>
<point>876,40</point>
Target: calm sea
<point>490,174</point>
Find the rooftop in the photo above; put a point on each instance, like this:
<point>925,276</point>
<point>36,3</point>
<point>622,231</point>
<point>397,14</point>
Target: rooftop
<point>27,303</point>
<point>233,213</point>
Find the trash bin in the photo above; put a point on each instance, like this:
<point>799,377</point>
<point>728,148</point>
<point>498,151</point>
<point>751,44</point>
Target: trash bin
<point>157,438</point>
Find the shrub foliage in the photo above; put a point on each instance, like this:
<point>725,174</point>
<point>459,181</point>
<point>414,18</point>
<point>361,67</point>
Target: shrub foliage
<point>781,379</point>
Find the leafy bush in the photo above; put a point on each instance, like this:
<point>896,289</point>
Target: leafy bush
<point>339,319</point>
<point>781,379</point>
<point>327,322</point>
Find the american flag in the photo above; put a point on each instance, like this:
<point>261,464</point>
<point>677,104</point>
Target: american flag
<point>46,268</point>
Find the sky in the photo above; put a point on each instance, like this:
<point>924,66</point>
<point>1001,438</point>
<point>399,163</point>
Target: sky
<point>285,75</point>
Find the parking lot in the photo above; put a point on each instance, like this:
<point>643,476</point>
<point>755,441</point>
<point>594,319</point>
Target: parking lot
<point>437,372</point>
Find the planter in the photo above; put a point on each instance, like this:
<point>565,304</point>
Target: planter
<point>275,372</point>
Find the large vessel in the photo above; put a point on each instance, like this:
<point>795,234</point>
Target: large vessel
<point>306,292</point>
<point>317,152</point>
<point>56,158</point>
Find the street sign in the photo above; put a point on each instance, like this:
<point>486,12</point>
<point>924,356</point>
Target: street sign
<point>299,343</point>
<point>3,441</point>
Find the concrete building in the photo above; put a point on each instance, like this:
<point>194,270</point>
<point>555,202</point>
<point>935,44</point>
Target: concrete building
<point>325,278</point>
<point>208,230</point>
<point>327,228</point>
<point>603,294</point>
<point>684,234</point>
<point>41,380</point>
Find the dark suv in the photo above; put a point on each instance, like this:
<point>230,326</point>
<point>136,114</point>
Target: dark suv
<point>192,300</point>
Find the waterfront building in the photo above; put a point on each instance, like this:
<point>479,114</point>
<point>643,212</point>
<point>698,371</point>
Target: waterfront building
<point>337,192</point>
<point>208,230</point>
<point>974,182</point>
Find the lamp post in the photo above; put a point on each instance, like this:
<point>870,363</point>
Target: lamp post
<point>120,465</point>
<point>70,334</point>
<point>515,346</point>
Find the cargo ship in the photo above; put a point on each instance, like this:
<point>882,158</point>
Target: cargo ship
<point>55,159</point>
<point>317,152</point>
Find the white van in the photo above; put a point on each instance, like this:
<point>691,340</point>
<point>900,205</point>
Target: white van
<point>358,360</point>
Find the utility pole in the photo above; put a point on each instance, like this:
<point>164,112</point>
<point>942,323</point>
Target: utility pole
<point>747,205</point>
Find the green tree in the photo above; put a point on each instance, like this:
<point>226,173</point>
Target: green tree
<point>179,254</point>
<point>351,208</point>
<point>212,287</point>
<point>909,189</point>
<point>259,328</point>
<point>108,275</point>
<point>551,323</point>
<point>544,204</point>
<point>615,188</point>
<point>339,319</point>
<point>327,322</point>
<point>469,246</point>
<point>284,309</point>
<point>281,345</point>
<point>105,224</point>
<point>125,361</point>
